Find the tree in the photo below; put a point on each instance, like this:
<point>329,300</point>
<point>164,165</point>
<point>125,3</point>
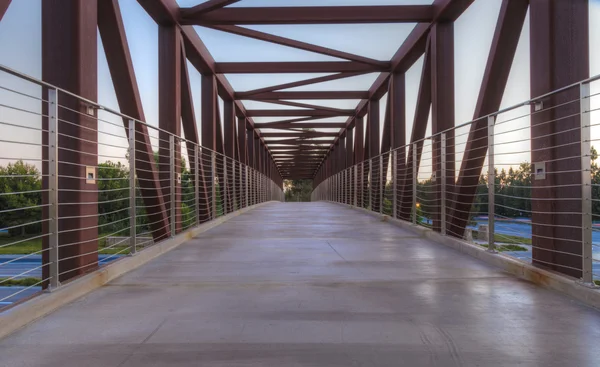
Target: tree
<point>298,190</point>
<point>113,197</point>
<point>23,191</point>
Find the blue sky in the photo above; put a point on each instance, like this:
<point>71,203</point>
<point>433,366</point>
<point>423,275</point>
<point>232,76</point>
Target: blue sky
<point>20,40</point>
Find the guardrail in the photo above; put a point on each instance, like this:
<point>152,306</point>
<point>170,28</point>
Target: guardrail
<point>524,180</point>
<point>82,185</point>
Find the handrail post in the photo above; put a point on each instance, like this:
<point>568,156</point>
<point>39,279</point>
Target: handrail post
<point>132,203</point>
<point>197,183</point>
<point>370,183</point>
<point>233,186</point>
<point>225,189</point>
<point>53,258</point>
<point>443,185</point>
<point>347,186</point>
<point>356,185</point>
<point>414,184</point>
<point>213,169</point>
<point>491,186</point>
<point>394,184</point>
<point>246,187</point>
<point>172,181</point>
<point>586,186</point>
<point>381,185</point>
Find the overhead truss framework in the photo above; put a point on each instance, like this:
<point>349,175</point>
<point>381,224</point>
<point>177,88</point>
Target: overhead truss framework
<point>300,129</point>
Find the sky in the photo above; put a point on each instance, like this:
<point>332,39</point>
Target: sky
<point>20,40</point>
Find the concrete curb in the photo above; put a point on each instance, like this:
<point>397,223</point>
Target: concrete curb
<point>544,278</point>
<point>46,303</point>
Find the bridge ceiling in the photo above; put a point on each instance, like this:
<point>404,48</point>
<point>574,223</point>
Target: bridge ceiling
<point>302,71</point>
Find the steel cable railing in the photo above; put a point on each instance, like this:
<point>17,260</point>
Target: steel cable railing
<point>82,185</point>
<point>526,184</point>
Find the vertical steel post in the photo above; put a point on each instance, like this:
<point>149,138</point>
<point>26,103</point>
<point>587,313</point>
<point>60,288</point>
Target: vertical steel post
<point>443,184</point>
<point>355,185</point>
<point>213,175</point>
<point>246,187</point>
<point>173,182</point>
<point>197,183</point>
<point>335,188</point>
<point>381,185</point>
<point>394,184</point>
<point>491,185</point>
<point>53,188</point>
<point>347,186</point>
<point>414,184</point>
<point>132,207</point>
<point>370,183</point>
<point>225,190</point>
<point>586,185</point>
<point>363,196</point>
<point>240,178</point>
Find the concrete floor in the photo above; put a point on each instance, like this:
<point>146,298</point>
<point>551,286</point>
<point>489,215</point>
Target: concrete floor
<point>312,284</point>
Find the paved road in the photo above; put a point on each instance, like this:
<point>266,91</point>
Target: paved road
<point>19,266</point>
<point>312,284</point>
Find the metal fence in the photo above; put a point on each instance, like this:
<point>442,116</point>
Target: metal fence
<point>82,185</point>
<point>524,181</point>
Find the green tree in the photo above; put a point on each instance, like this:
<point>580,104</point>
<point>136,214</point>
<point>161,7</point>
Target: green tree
<point>23,191</point>
<point>298,190</point>
<point>113,196</point>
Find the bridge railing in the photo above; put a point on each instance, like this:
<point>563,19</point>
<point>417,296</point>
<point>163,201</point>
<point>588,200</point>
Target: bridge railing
<point>524,181</point>
<point>82,185</point>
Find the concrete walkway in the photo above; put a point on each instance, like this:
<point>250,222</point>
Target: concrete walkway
<point>312,284</point>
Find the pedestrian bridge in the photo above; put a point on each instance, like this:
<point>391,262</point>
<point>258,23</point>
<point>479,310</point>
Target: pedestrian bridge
<point>451,185</point>
<point>312,284</point>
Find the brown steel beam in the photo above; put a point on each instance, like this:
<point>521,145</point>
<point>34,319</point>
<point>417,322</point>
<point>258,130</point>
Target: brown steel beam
<point>349,147</point>
<point>413,47</point>
<point>559,49</point>
<point>373,150</point>
<point>295,112</point>
<point>308,125</point>
<point>306,95</point>
<point>285,122</point>
<point>209,112</point>
<point>208,6</point>
<point>298,142</point>
<point>3,7</point>
<point>442,111</point>
<point>229,144</point>
<point>299,134</point>
<point>311,15</point>
<point>69,61</point>
<point>251,151</point>
<point>190,131</point>
<point>118,56</point>
<point>199,56</point>
<point>242,142</point>
<point>500,58</point>
<point>418,133</point>
<point>398,129</point>
<point>296,67</point>
<point>386,132</point>
<point>311,106</point>
<point>164,12</point>
<point>169,115</point>
<point>373,129</point>
<point>267,37</point>
<point>321,79</point>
